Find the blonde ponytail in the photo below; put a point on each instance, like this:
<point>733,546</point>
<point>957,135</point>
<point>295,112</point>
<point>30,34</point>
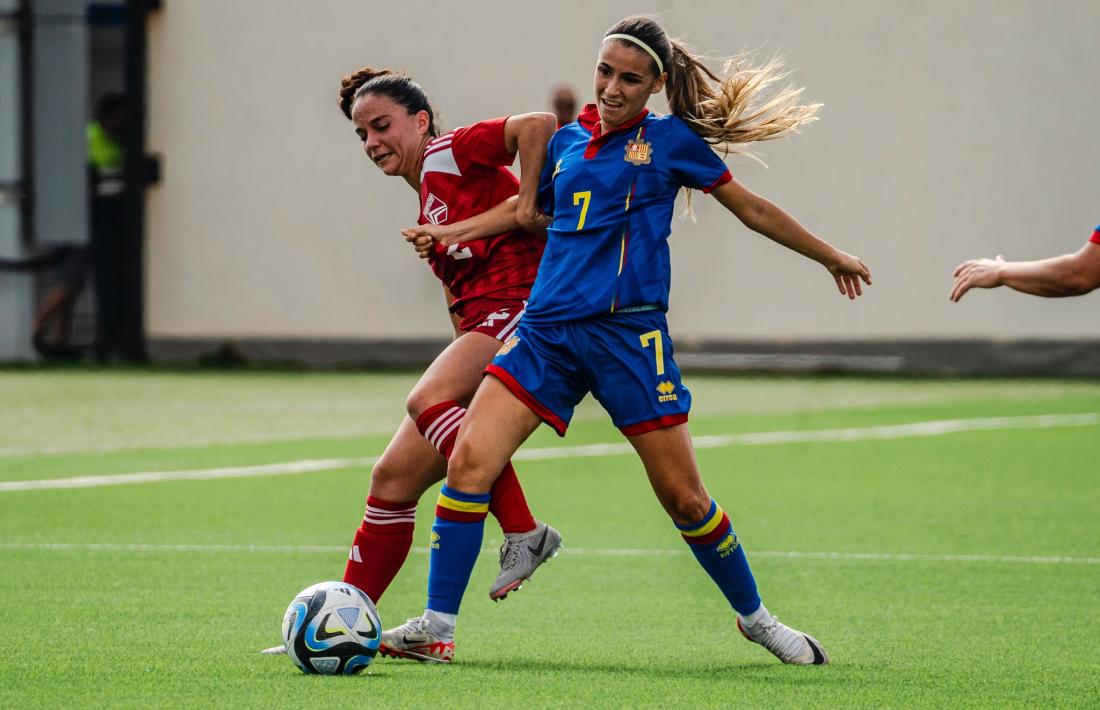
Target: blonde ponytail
<point>740,108</point>
<point>731,112</point>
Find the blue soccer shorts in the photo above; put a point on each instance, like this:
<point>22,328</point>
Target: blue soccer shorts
<point>624,360</point>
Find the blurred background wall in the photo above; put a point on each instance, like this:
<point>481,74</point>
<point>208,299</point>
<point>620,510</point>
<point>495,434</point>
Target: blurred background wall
<point>950,130</point>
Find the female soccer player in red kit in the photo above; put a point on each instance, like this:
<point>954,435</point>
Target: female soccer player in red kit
<point>487,266</point>
<point>458,175</point>
<point>595,321</point>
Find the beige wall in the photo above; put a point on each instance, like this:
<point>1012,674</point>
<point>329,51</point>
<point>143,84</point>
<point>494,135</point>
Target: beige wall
<point>951,130</point>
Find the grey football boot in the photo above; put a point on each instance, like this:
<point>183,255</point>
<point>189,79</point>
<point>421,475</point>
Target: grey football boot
<point>520,555</point>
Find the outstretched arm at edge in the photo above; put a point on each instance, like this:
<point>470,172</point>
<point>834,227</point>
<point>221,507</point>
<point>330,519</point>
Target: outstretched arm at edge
<point>1059,276</point>
<point>764,217</point>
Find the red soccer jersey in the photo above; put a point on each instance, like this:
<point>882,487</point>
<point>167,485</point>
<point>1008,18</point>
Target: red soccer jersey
<point>463,175</point>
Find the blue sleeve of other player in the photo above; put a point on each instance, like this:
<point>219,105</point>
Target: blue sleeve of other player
<point>692,162</point>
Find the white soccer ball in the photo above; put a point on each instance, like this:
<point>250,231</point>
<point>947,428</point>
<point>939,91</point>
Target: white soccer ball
<point>332,628</point>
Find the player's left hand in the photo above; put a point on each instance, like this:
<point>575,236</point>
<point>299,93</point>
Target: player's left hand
<point>847,270</point>
<point>421,238</point>
<point>976,273</point>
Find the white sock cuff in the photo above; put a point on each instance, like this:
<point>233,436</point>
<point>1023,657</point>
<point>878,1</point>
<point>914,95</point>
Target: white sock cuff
<point>442,625</point>
<point>757,616</point>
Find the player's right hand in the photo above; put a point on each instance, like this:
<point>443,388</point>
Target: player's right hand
<point>847,271</point>
<point>976,273</point>
<point>421,239</point>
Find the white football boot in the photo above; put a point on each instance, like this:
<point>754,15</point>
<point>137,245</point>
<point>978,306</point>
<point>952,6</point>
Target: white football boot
<point>787,644</point>
<point>520,555</point>
<point>275,650</point>
<point>414,640</point>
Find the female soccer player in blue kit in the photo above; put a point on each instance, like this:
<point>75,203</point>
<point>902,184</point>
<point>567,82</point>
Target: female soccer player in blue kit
<point>595,320</point>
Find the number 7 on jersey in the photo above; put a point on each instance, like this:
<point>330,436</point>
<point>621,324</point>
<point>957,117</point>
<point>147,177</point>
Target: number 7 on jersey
<point>578,198</point>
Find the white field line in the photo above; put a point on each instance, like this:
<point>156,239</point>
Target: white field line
<point>122,479</point>
<point>571,551</point>
<point>897,431</point>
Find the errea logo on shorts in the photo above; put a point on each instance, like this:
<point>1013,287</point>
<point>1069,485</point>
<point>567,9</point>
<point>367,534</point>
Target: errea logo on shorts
<point>666,392</point>
<point>435,209</point>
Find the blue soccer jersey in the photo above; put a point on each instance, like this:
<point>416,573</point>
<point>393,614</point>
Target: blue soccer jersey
<point>612,197</point>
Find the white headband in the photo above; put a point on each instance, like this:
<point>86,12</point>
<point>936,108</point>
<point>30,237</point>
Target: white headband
<point>643,45</point>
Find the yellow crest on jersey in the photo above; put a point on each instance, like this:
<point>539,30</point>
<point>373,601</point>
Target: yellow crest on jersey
<point>638,152</point>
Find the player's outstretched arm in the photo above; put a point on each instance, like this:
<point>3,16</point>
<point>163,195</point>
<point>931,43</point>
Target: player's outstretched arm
<point>496,220</point>
<point>527,134</point>
<point>764,217</point>
<point>1056,277</point>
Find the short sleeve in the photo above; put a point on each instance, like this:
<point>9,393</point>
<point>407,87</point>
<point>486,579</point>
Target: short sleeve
<point>1095,239</point>
<point>482,144</point>
<point>692,162</point>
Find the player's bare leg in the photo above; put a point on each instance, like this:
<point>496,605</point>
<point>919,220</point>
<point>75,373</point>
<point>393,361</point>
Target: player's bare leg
<point>436,403</point>
<point>495,426</point>
<point>523,551</point>
<point>408,467</point>
<point>669,459</point>
<point>455,374</point>
<point>493,429</point>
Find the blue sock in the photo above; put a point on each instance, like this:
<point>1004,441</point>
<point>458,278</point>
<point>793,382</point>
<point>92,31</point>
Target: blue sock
<point>456,542</point>
<point>719,551</point>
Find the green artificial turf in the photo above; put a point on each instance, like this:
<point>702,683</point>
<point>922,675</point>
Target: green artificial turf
<point>160,594</point>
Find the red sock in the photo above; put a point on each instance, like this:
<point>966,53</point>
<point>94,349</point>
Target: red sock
<point>439,425</point>
<point>381,545</point>
<point>508,504</point>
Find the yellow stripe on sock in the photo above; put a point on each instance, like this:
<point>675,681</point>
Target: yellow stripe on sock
<point>462,506</point>
<point>708,526</point>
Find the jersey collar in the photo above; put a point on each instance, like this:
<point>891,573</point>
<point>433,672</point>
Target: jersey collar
<point>590,121</point>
